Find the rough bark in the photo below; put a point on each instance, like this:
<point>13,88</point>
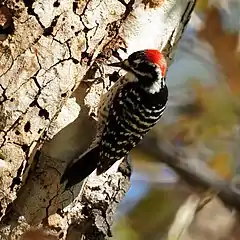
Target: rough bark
<point>49,47</point>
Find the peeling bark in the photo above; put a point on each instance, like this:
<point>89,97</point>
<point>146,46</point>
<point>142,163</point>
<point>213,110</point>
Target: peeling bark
<point>50,47</point>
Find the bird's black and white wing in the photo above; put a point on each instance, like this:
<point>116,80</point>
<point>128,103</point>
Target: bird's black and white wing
<point>128,121</point>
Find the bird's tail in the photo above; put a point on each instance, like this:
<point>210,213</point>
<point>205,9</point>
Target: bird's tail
<point>81,167</point>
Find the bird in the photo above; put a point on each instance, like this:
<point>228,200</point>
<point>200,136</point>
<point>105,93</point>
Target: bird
<point>132,106</point>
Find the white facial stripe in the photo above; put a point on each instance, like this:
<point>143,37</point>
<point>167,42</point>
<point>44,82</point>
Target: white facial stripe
<point>142,73</point>
<point>157,69</point>
<point>137,61</point>
<point>156,86</point>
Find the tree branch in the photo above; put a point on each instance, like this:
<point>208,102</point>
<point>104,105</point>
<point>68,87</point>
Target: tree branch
<point>195,172</point>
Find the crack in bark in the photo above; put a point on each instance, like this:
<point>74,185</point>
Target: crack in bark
<point>111,47</point>
<point>47,209</point>
<point>3,94</point>
<point>85,56</point>
<point>10,128</point>
<point>17,180</point>
<point>168,48</point>
<point>48,31</point>
<point>26,149</point>
<point>186,17</point>
<point>129,8</point>
<point>91,214</point>
<point>42,112</point>
<point>7,51</point>
<point>75,61</point>
<point>30,10</point>
<point>99,212</point>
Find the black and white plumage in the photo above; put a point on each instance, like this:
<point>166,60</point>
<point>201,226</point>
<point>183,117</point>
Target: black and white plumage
<point>129,110</point>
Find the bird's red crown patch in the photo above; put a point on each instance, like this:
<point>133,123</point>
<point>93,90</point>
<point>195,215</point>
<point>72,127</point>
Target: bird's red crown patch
<point>156,57</point>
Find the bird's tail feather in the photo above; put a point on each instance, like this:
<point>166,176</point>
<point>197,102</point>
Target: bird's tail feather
<point>81,167</point>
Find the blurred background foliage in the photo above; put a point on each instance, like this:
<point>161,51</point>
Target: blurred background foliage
<point>202,120</point>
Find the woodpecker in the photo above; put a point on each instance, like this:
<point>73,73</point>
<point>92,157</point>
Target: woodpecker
<point>131,107</point>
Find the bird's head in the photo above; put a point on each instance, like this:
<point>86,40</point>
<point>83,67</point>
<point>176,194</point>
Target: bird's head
<point>149,66</point>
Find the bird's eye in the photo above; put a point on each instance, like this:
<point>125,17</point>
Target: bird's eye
<point>135,63</point>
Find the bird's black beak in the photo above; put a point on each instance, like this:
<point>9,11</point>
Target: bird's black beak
<point>124,64</point>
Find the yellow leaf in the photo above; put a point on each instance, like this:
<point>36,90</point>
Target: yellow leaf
<point>202,5</point>
<point>221,163</point>
<point>225,46</point>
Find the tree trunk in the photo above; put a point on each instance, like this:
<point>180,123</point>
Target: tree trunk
<point>48,47</point>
